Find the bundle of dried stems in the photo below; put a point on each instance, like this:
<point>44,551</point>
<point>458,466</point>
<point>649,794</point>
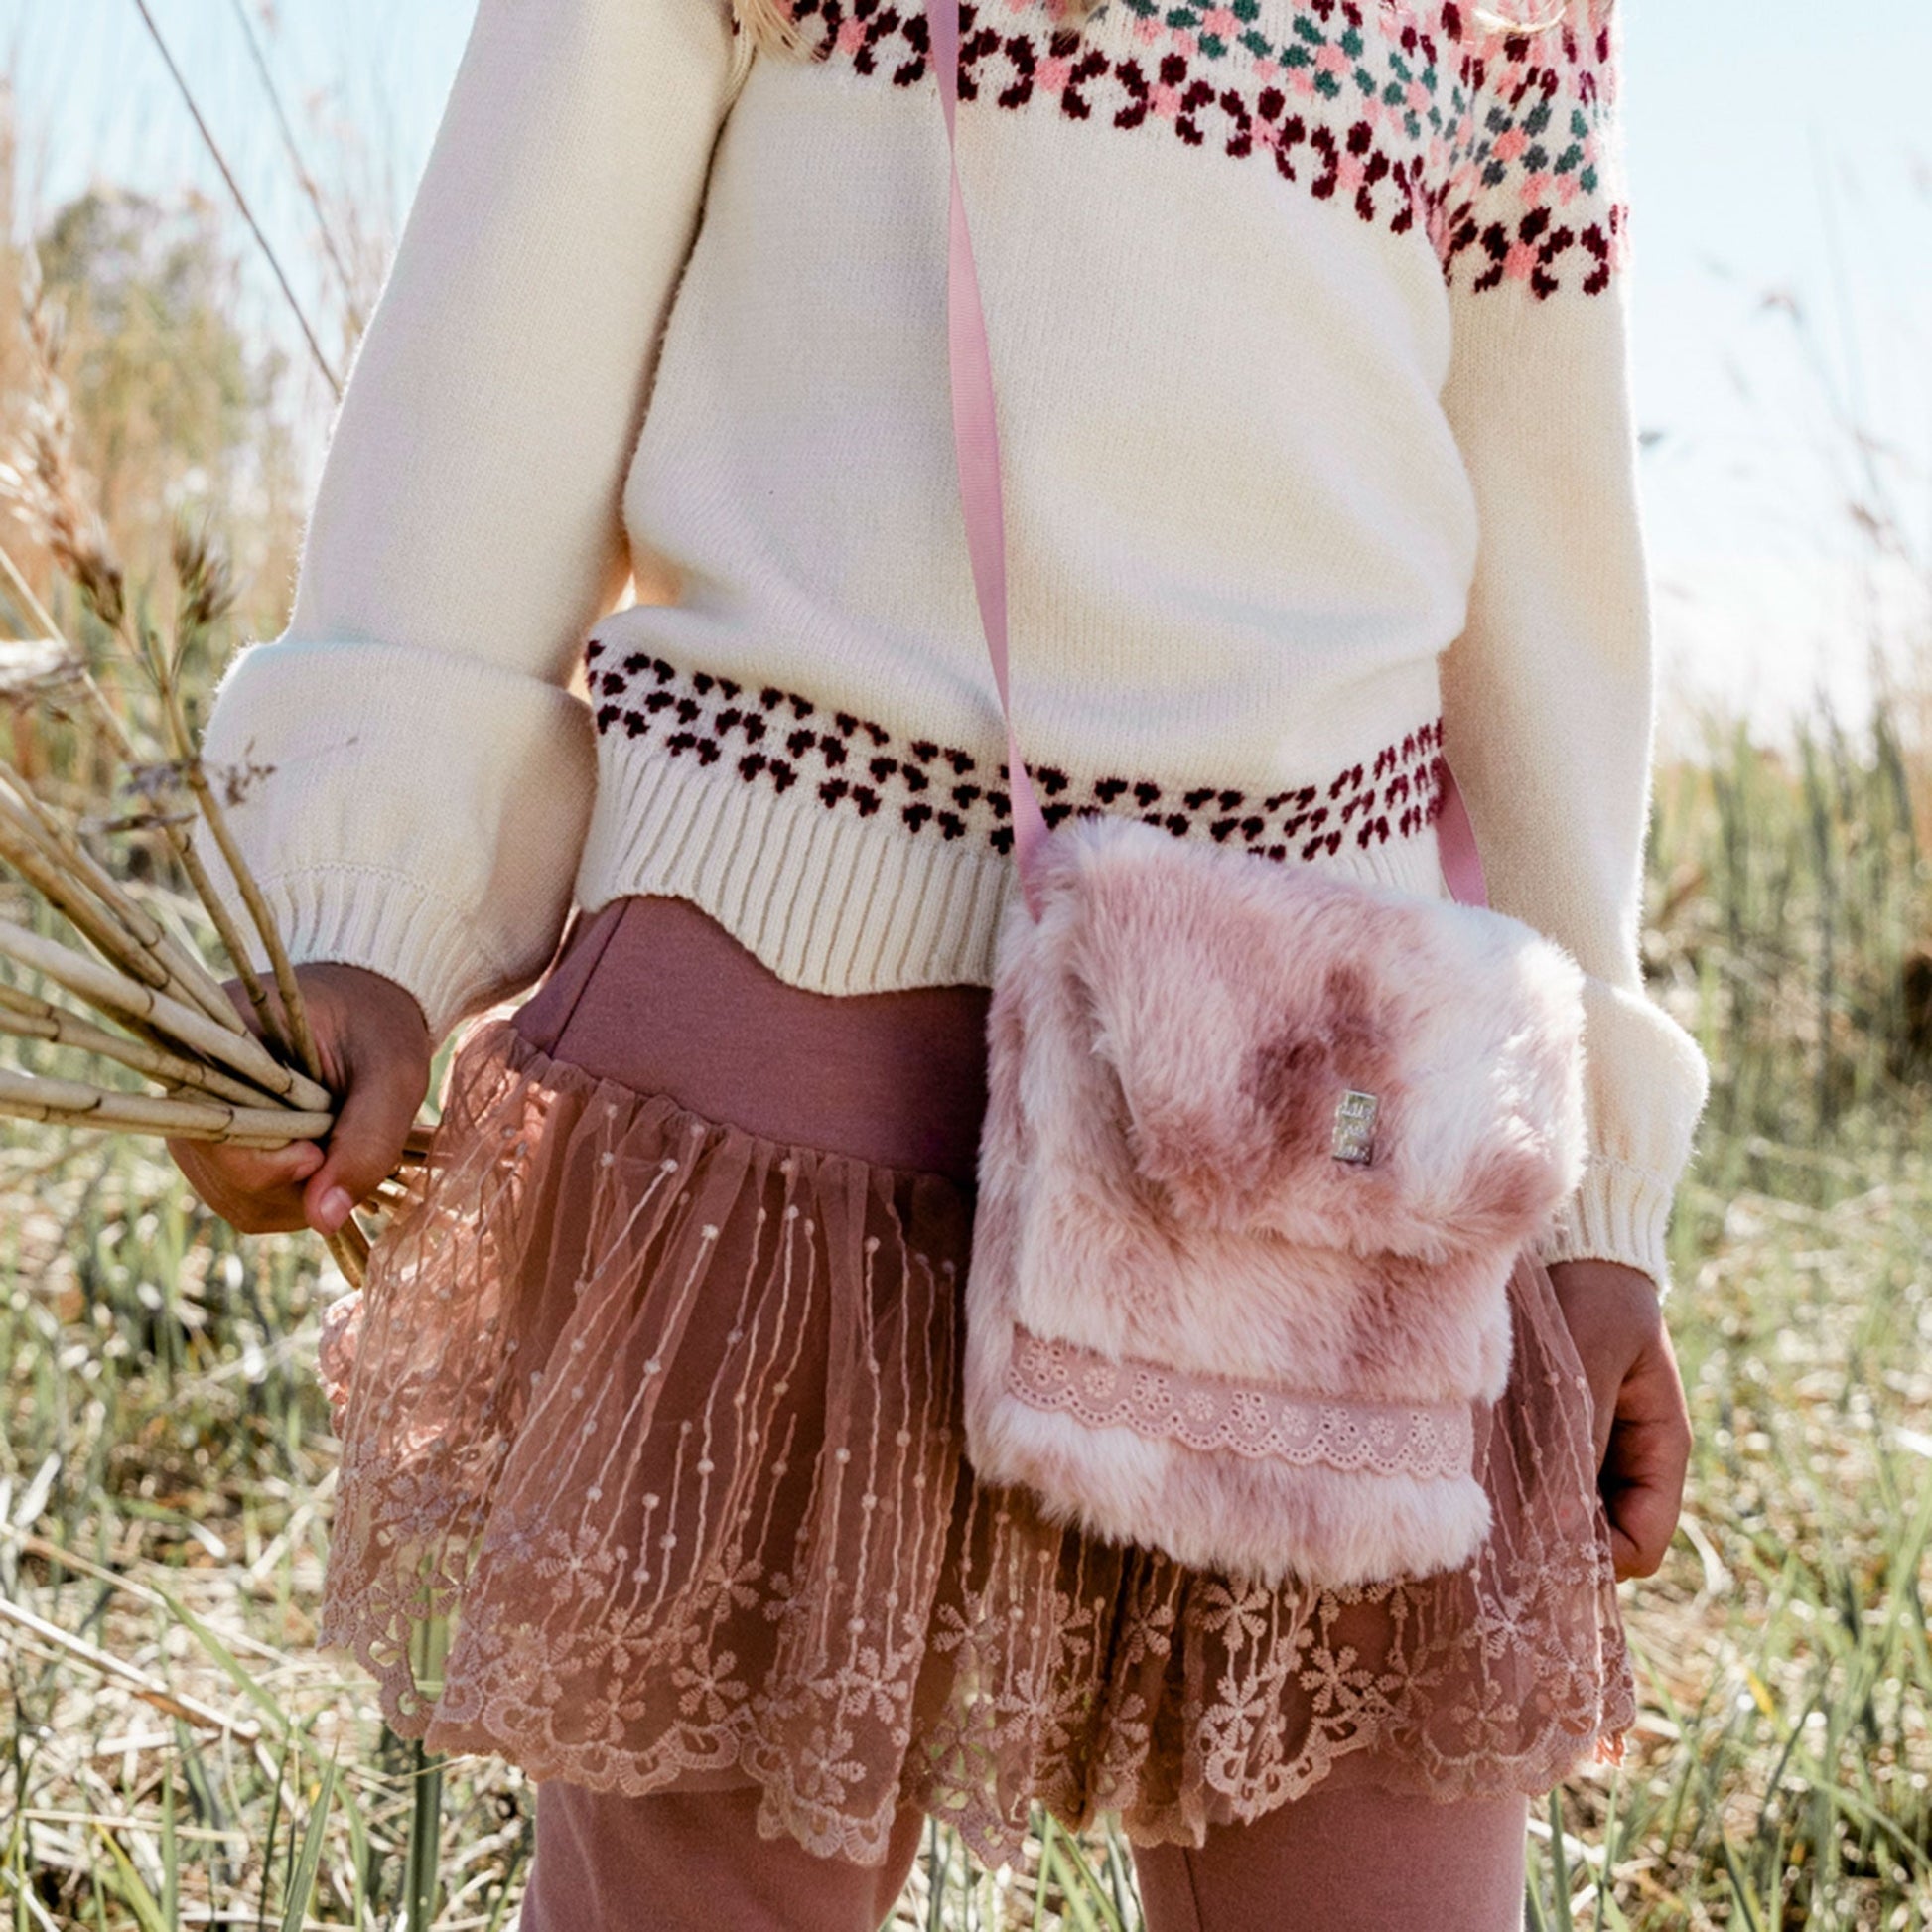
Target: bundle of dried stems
<point>141,994</point>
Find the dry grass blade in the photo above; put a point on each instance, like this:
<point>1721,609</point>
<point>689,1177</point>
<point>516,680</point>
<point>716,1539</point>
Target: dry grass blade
<point>105,989</point>
<point>46,487</point>
<point>21,849</point>
<point>41,477</point>
<point>300,1039</point>
<point>70,1559</point>
<point>189,979</point>
<point>73,1103</point>
<point>181,842</point>
<point>178,1704</point>
<point>349,1247</point>
<point>27,1016</point>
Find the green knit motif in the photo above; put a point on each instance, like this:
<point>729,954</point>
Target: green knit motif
<point>1426,119</point>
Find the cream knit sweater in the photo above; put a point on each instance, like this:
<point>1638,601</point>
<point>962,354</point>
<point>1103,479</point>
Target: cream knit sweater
<point>1308,323</point>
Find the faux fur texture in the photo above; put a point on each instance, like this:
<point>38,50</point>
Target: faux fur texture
<point>1170,1043</point>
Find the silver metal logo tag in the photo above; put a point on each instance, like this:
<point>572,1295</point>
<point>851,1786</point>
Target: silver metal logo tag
<point>1355,1128</point>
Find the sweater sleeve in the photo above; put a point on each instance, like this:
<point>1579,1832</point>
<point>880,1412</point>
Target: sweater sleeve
<point>1548,694</point>
<point>413,778</point>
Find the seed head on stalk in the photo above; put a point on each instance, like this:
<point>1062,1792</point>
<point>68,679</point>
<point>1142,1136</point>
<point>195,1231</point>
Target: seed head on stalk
<point>156,1008</point>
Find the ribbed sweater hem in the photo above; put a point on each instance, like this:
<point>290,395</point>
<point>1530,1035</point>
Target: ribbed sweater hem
<point>829,902</point>
<point>374,917</point>
<point>1619,1213</point>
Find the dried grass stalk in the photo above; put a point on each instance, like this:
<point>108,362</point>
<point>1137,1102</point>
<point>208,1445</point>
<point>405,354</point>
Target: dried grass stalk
<point>45,485</point>
<point>21,849</point>
<point>349,1247</point>
<point>177,1704</point>
<point>181,1028</point>
<point>113,993</point>
<point>181,842</point>
<point>26,1017</point>
<point>299,1036</point>
<point>189,977</point>
<point>27,1097</point>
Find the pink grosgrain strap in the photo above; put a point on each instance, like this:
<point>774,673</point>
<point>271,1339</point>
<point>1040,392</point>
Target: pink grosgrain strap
<point>975,445</point>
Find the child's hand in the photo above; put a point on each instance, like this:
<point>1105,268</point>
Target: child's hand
<point>375,1052</point>
<point>1643,1423</point>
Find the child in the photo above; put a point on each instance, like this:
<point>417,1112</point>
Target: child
<point>1308,323</point>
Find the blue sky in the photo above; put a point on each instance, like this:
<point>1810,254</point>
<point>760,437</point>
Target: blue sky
<point>1780,156</point>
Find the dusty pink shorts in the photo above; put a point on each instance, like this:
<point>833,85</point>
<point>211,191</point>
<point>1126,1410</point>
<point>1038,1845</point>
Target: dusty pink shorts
<point>658,1382</point>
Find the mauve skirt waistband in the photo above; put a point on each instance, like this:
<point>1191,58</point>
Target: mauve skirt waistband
<point>655,994</point>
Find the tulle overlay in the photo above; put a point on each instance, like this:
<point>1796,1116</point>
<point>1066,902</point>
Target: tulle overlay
<point>669,1413</point>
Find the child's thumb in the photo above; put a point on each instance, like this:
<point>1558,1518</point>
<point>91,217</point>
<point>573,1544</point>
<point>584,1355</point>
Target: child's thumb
<point>372,1124</point>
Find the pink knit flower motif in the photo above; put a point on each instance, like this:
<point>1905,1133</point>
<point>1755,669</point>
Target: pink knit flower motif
<point>1424,211</point>
<point>1507,82</point>
<point>1163,100</point>
<point>1053,74</point>
<point>851,35</point>
<point>1520,262</point>
<point>1436,225</point>
<point>1620,240</point>
<point>1222,21</point>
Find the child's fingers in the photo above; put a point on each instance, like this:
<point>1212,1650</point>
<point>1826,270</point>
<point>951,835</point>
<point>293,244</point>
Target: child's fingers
<point>256,1190</point>
<point>259,1169</point>
<point>372,1124</point>
<point>1644,1473</point>
<point>1643,1519</point>
<point>375,1057</point>
<point>1605,1377</point>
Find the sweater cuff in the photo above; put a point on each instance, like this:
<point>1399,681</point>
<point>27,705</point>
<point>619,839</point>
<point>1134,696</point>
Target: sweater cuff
<point>388,923</point>
<point>1616,1213</point>
<point>413,812</point>
<point>1645,1086</point>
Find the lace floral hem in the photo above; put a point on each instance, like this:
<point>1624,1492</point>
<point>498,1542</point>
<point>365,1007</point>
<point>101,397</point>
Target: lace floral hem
<point>665,1416</point>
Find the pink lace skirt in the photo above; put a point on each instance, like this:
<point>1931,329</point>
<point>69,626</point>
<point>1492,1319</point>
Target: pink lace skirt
<point>665,1413</point>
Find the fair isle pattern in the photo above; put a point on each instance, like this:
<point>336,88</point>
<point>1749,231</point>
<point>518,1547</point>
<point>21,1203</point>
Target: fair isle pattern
<point>1539,165</point>
<point>786,743</point>
<point>1410,114</point>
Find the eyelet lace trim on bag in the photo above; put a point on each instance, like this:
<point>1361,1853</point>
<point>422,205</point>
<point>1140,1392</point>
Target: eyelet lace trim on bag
<point>668,1417</point>
<point>1425,1440</point>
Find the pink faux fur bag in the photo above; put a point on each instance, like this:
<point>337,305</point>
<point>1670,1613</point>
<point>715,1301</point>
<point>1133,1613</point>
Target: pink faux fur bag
<point>1262,1150</point>
<point>1191,1321</point>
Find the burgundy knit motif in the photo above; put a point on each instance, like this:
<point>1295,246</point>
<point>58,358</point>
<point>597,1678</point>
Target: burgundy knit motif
<point>788,744</point>
<point>1541,127</point>
<point>1399,109</point>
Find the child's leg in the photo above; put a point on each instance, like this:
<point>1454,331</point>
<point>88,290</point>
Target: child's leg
<point>694,1859</point>
<point>1357,1860</point>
